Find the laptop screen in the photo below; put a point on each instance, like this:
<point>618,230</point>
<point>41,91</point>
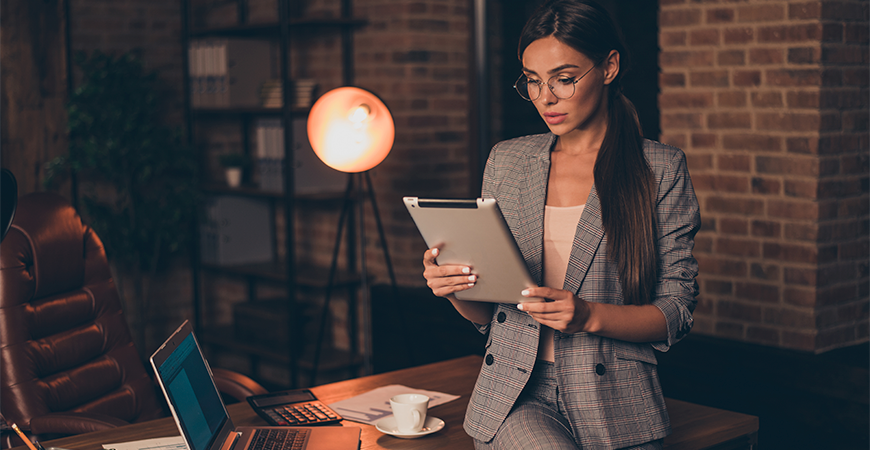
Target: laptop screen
<point>192,394</point>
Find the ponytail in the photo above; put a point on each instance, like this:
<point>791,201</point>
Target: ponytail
<point>625,186</point>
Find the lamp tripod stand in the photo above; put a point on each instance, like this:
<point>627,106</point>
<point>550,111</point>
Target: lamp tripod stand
<point>359,189</point>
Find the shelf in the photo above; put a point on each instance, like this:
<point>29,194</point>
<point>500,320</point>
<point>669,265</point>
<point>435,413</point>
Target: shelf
<point>248,111</point>
<point>251,191</point>
<point>307,276</point>
<point>273,29</point>
<point>301,280</point>
<point>330,358</point>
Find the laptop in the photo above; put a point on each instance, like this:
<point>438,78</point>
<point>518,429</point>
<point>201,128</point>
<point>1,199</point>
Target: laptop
<point>200,413</point>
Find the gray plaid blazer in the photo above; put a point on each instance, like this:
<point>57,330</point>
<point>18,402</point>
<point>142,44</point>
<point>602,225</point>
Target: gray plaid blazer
<point>610,387</point>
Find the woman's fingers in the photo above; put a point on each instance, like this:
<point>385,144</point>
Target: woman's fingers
<point>566,312</point>
<point>447,279</point>
<point>429,257</point>
<point>444,286</point>
<point>552,297</point>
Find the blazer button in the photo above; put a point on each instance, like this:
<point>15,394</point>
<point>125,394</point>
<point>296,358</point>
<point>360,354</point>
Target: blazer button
<point>600,369</point>
<point>501,317</point>
<point>489,359</point>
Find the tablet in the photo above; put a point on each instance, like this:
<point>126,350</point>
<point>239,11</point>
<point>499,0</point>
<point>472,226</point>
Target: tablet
<point>473,232</point>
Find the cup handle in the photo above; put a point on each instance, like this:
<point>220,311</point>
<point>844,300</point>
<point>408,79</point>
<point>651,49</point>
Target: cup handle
<point>417,422</point>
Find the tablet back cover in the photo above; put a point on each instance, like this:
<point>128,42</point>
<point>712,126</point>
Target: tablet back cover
<point>473,232</point>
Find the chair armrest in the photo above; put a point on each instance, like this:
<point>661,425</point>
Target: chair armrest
<point>70,423</point>
<point>236,385</point>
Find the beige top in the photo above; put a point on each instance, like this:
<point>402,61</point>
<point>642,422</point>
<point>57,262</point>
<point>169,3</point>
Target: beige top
<point>560,225</point>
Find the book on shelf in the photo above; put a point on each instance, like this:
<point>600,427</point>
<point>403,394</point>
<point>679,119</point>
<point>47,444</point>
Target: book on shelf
<point>270,155</point>
<point>272,93</point>
<point>311,175</point>
<point>228,73</point>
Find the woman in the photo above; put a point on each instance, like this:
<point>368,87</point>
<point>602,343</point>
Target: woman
<point>606,222</point>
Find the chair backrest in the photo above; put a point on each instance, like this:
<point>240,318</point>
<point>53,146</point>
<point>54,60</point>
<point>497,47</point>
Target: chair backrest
<point>64,343</point>
<point>8,200</point>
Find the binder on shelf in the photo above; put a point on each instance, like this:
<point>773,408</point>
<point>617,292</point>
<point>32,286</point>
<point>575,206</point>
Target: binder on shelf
<point>228,73</point>
<point>270,155</point>
<point>311,175</point>
<point>194,73</point>
<point>237,230</point>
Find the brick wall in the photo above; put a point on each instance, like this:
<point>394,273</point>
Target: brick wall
<point>151,26</point>
<point>34,88</point>
<point>769,99</point>
<point>415,55</point>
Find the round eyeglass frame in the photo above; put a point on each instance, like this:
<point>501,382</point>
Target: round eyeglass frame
<point>550,86</point>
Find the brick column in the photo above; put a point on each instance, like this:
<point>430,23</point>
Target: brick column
<point>769,99</point>
<point>415,56</point>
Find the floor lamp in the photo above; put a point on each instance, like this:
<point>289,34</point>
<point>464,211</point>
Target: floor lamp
<point>352,131</point>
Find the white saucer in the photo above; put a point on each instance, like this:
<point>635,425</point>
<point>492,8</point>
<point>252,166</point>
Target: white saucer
<point>387,425</point>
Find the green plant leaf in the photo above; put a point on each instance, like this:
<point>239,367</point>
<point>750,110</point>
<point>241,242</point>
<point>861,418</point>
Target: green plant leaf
<point>137,175</point>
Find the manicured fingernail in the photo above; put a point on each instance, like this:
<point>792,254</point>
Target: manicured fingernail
<point>520,306</point>
<point>472,278</point>
<point>434,252</point>
<point>471,284</point>
<point>525,293</point>
<point>466,270</point>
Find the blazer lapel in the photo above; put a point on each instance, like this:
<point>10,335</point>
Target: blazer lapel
<point>587,239</point>
<point>533,199</point>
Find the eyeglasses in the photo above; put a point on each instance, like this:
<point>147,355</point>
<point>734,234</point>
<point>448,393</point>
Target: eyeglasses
<point>561,86</point>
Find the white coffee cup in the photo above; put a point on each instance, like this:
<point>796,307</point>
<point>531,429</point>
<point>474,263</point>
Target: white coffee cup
<point>409,411</point>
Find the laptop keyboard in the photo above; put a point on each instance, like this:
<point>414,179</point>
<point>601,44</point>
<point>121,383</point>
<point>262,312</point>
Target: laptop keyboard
<point>288,439</point>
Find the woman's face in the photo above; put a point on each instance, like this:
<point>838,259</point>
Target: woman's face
<point>549,59</point>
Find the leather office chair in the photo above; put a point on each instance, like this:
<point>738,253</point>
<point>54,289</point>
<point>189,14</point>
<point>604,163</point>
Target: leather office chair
<point>69,365</point>
<point>8,200</point>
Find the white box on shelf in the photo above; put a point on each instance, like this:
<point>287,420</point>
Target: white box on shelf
<point>237,230</point>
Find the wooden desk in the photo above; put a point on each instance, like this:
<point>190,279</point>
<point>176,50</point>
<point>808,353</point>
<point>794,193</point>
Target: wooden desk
<point>694,426</point>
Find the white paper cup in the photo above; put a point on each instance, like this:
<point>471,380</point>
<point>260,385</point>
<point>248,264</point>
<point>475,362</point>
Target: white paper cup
<point>409,411</point>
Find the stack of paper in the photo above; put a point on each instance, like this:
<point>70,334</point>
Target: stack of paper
<point>164,443</point>
<point>374,405</point>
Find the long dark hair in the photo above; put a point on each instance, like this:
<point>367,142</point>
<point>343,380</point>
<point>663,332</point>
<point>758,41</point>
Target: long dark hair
<point>623,178</point>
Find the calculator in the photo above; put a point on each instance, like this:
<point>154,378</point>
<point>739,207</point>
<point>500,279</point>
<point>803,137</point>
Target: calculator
<point>298,407</point>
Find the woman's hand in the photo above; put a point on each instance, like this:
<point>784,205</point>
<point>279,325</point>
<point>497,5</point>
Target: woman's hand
<point>447,279</point>
<point>566,312</point>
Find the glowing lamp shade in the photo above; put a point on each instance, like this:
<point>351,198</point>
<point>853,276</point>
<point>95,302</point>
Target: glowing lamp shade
<point>350,129</point>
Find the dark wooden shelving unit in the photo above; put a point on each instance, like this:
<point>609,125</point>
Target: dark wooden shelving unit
<point>248,111</point>
<point>253,191</point>
<point>331,359</point>
<point>274,30</point>
<point>287,273</point>
<point>306,277</point>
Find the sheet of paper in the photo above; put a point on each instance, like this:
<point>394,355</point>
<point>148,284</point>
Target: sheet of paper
<point>164,443</point>
<point>374,405</point>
